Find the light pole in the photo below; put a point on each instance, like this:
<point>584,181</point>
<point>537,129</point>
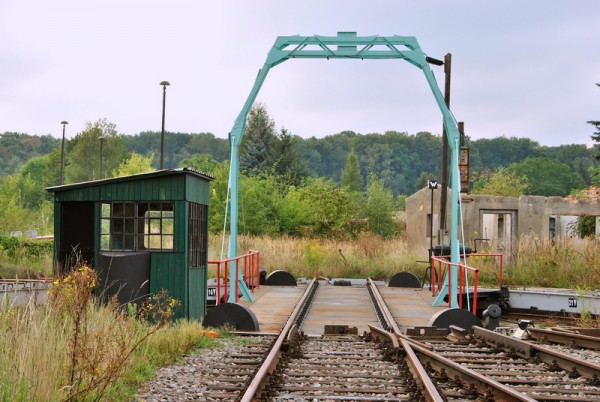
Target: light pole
<point>62,154</point>
<point>164,84</point>
<point>101,138</point>
<point>432,184</point>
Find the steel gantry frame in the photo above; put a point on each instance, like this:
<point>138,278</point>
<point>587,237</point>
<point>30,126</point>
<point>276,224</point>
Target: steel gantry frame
<point>346,45</point>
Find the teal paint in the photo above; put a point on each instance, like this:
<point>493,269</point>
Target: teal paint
<point>345,45</point>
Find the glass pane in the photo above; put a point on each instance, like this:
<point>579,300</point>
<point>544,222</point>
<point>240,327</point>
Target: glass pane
<point>117,210</point>
<point>116,242</point>
<point>117,226</point>
<point>130,210</point>
<point>129,242</point>
<point>167,226</point>
<point>105,226</point>
<point>129,226</point>
<point>105,242</point>
<point>105,212</point>
<point>167,242</point>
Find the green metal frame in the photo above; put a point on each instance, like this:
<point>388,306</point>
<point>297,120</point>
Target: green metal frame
<point>346,45</point>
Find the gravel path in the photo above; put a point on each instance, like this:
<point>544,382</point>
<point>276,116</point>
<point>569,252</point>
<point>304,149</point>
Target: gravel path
<point>184,380</point>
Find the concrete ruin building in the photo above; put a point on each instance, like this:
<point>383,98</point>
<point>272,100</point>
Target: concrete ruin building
<point>498,222</point>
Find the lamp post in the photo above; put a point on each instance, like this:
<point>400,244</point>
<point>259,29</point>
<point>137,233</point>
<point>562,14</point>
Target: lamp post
<point>432,184</point>
<point>62,154</point>
<point>164,84</point>
<point>101,138</point>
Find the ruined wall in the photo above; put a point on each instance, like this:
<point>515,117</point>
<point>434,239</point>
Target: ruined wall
<point>526,215</point>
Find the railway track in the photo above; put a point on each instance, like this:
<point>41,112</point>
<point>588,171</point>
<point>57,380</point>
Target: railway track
<point>385,364</point>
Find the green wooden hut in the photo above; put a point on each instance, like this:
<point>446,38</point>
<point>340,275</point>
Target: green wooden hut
<point>141,233</point>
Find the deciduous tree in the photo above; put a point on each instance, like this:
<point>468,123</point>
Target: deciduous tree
<point>84,152</point>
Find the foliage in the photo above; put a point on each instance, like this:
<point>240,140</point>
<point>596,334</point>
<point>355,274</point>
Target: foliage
<point>83,157</point>
<point>106,356</point>
<point>37,174</point>
<point>502,182</point>
<point>557,263</point>
<point>548,176</point>
<point>135,164</point>
<point>17,148</point>
<point>204,163</point>
<point>351,177</point>
<point>596,135</point>
<point>178,146</point>
<point>288,163</point>
<point>379,208</point>
<point>583,226</point>
<point>98,355</point>
<point>329,213</point>
<point>258,140</point>
<point>595,174</point>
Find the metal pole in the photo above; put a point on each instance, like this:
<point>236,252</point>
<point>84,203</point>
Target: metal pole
<point>101,144</point>
<point>162,133</point>
<point>444,194</point>
<point>62,154</point>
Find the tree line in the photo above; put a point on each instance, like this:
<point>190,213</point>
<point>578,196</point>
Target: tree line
<point>324,187</point>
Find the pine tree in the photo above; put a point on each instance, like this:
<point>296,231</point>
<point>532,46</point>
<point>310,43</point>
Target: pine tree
<point>288,161</point>
<point>351,177</point>
<point>259,137</point>
<point>596,135</point>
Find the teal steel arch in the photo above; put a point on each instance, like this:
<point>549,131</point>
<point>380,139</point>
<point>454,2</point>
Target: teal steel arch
<point>346,45</point>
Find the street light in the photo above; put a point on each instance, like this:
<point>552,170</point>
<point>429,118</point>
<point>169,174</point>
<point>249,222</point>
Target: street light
<point>62,154</point>
<point>432,184</point>
<point>101,138</point>
<point>164,84</point>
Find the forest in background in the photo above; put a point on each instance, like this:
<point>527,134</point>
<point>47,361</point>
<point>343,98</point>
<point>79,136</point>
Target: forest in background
<point>292,185</point>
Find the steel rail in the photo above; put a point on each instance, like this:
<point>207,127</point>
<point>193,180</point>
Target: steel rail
<point>547,355</point>
<point>565,338</point>
<point>501,393</point>
<point>389,323</point>
<point>423,380</point>
<point>272,359</point>
<point>484,384</point>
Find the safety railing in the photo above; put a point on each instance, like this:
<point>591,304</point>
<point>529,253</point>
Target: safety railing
<point>443,266</point>
<point>250,266</point>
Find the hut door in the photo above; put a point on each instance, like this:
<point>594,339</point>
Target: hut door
<point>76,234</point>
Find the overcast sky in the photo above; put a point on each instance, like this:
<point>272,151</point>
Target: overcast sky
<point>519,68</point>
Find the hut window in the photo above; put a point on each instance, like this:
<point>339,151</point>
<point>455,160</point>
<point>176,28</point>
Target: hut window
<point>198,227</point>
<point>130,226</point>
<point>159,226</point>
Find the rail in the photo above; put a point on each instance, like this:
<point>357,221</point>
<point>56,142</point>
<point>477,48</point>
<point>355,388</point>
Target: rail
<point>443,265</point>
<point>272,359</point>
<point>251,272</point>
<point>485,385</point>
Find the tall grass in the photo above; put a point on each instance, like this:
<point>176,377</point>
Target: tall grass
<point>367,255</point>
<point>562,263</point>
<point>74,348</point>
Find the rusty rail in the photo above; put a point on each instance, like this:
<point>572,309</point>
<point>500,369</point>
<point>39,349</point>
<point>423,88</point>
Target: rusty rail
<point>272,359</point>
<point>482,383</point>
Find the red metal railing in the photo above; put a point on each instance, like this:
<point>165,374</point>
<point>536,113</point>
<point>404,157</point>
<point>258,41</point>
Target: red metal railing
<point>443,265</point>
<point>250,265</point>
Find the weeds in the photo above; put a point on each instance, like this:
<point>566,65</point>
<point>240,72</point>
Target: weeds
<point>76,349</point>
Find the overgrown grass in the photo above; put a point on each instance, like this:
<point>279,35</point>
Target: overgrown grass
<point>562,263</point>
<point>367,255</point>
<point>75,349</point>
